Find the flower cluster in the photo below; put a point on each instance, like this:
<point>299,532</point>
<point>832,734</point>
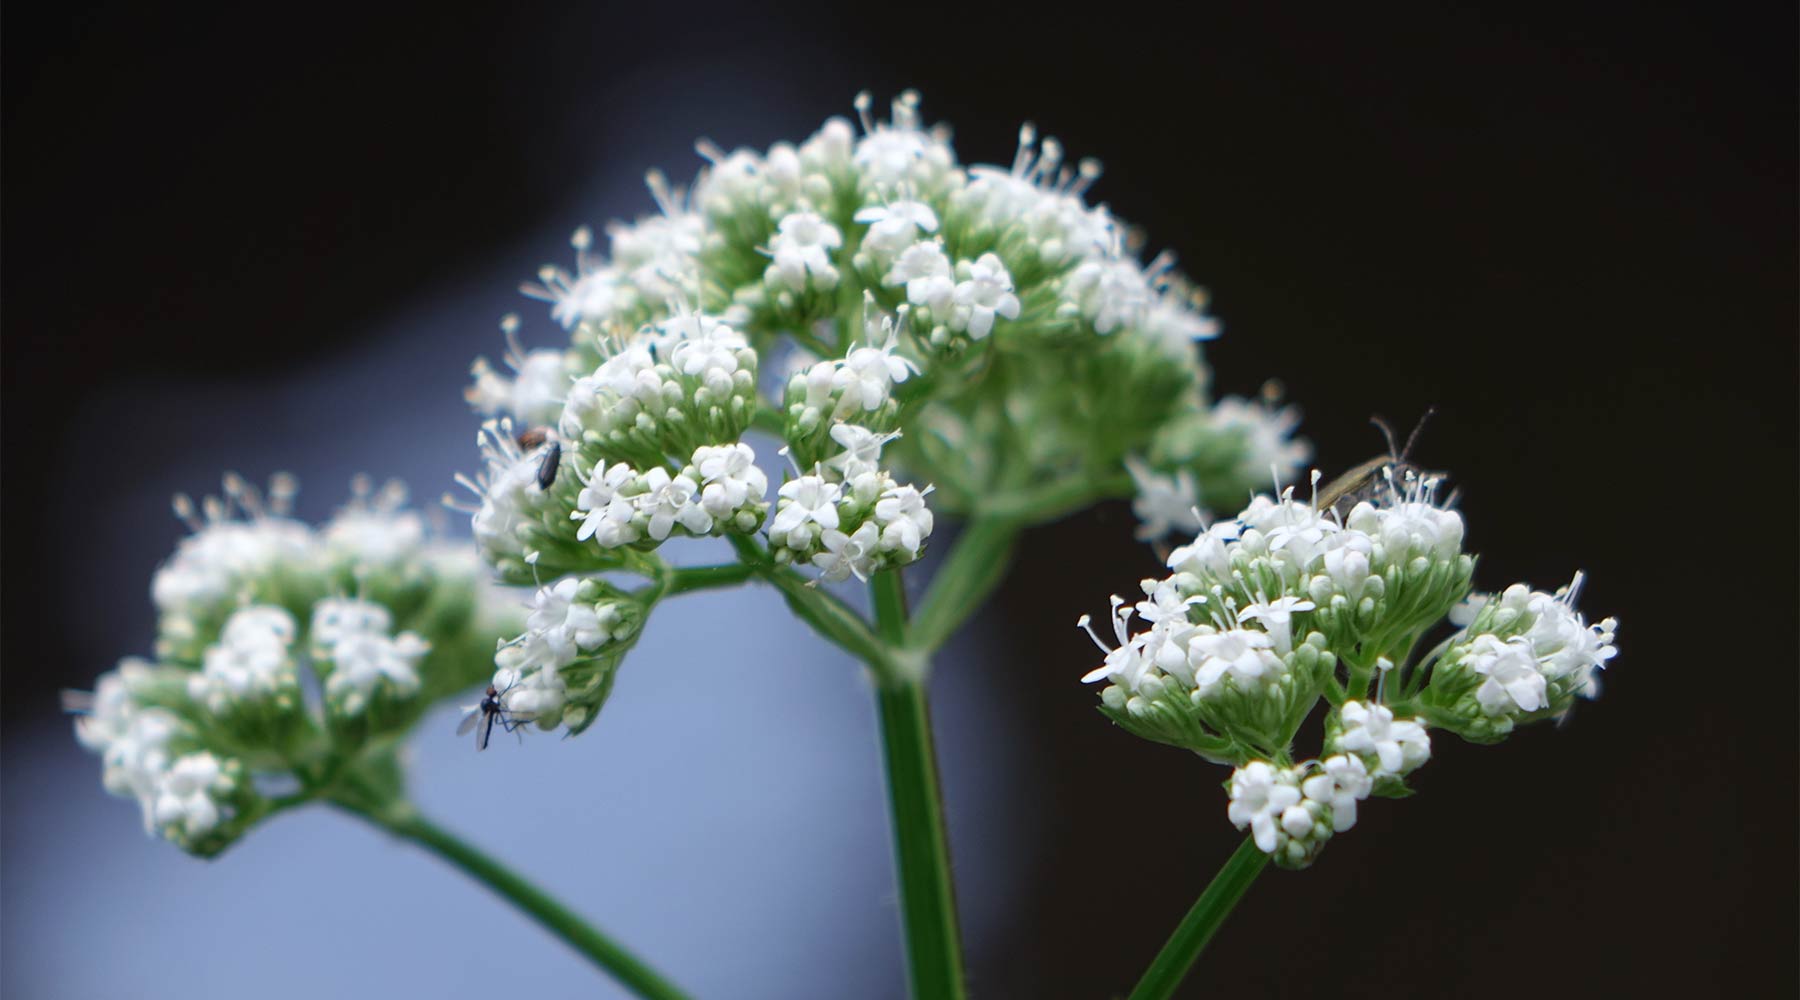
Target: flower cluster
<point>1288,603</point>
<point>250,606</point>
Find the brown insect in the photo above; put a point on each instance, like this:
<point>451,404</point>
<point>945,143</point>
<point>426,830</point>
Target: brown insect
<point>1367,480</point>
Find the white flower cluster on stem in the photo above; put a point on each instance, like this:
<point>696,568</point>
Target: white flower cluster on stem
<point>250,605</point>
<point>1289,603</point>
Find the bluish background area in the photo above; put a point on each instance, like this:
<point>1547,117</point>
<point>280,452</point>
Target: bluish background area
<point>239,241</point>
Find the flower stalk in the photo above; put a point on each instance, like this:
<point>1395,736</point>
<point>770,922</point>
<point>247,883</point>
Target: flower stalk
<point>1183,948</point>
<point>921,847</point>
<point>402,820</point>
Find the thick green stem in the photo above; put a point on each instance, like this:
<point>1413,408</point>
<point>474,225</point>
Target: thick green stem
<point>403,821</point>
<point>921,849</point>
<point>1196,929</point>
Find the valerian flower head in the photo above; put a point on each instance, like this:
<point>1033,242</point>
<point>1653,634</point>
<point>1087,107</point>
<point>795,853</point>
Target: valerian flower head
<point>1292,602</point>
<point>1524,655</point>
<point>256,608</point>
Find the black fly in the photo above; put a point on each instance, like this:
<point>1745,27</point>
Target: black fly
<point>552,460</point>
<point>482,717</point>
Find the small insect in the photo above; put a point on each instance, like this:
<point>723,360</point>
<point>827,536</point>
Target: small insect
<point>552,461</point>
<point>1366,480</point>
<point>482,717</point>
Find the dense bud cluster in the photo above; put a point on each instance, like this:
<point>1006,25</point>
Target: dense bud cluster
<point>256,609</point>
<point>1287,603</point>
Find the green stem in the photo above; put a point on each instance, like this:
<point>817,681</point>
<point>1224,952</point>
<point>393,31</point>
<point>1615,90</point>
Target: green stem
<point>688,579</point>
<point>1196,929</point>
<point>828,616</point>
<point>975,566</point>
<point>405,822</point>
<point>921,849</point>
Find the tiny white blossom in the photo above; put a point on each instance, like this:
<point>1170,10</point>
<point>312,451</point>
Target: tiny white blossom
<point>925,271</point>
<point>334,618</point>
<point>1163,503</point>
<point>862,449</point>
<point>1343,781</point>
<point>985,292</point>
<point>904,518</point>
<point>1513,680</point>
<point>604,511</point>
<point>729,478</point>
<point>1125,665</point>
<point>801,248</point>
<point>893,227</point>
<point>670,500</point>
<point>1398,746</point>
<point>567,624</point>
<point>808,499</point>
<point>362,661</point>
<point>1242,654</point>
<point>1260,794</point>
<point>185,794</point>
<point>847,554</point>
<point>1277,616</point>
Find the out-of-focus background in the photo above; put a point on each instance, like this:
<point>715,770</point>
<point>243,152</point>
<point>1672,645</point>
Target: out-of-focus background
<point>260,239</point>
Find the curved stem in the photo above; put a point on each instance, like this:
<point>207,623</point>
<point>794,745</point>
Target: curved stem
<point>975,566</point>
<point>1171,964</point>
<point>405,822</point>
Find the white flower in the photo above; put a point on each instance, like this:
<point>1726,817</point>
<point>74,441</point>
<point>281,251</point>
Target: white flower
<point>1277,616</point>
<point>801,247</point>
<point>1398,746</point>
<point>1113,293</point>
<point>925,272</point>
<point>670,500</point>
<point>250,661</point>
<point>362,661</point>
<point>847,554</point>
<point>808,499</point>
<point>1513,681</point>
<point>702,345</point>
<point>1242,654</point>
<point>568,625</point>
<point>893,227</point>
<point>334,618</point>
<point>1344,780</point>
<point>862,449</point>
<point>596,295</point>
<point>1163,503</point>
<point>537,694</point>
<point>867,374</point>
<point>185,794</point>
<point>985,292</point>
<point>729,478</point>
<point>1267,432</point>
<point>1126,665</point>
<point>1260,794</point>
<point>1565,644</point>
<point>1175,326</point>
<point>904,519</point>
<point>604,510</point>
<point>370,538</point>
<point>1210,551</point>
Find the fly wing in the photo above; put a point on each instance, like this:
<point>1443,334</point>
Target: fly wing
<point>468,722</point>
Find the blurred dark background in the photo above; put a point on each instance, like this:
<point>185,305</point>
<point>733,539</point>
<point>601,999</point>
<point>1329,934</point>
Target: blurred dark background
<point>236,237</point>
